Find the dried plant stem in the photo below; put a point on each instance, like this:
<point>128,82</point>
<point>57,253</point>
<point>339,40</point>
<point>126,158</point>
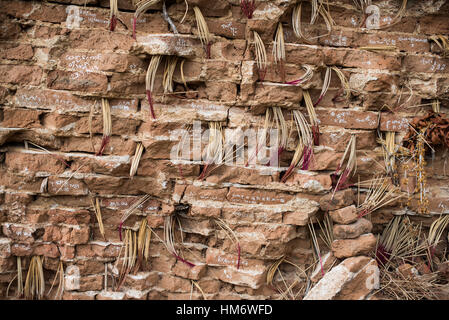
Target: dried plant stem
<point>149,80</point>
<point>136,159</point>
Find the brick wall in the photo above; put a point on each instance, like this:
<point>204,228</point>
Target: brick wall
<point>58,59</point>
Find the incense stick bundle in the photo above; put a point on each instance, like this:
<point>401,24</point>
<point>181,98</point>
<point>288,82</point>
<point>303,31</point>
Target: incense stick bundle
<point>35,282</point>
<point>312,117</point>
<point>141,7</point>
<point>98,215</point>
<point>231,235</point>
<point>131,210</point>
<point>113,14</point>
<point>305,77</point>
<point>443,43</point>
<point>107,125</point>
<point>214,151</point>
<point>203,31</point>
<point>167,81</point>
<point>304,150</point>
<point>136,159</point>
<point>261,56</point>
<point>149,80</point>
<point>279,50</point>
<point>351,165</point>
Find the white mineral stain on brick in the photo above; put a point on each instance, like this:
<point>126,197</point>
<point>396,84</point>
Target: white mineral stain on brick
<point>228,26</point>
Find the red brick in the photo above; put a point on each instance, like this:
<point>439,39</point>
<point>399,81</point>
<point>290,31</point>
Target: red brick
<point>17,74</point>
<point>77,81</point>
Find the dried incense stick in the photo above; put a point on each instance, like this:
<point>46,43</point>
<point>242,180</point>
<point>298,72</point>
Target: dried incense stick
<point>396,18</point>
<point>380,193</point>
<point>107,125</point>
<point>167,81</point>
<point>203,31</point>
<point>35,282</point>
<point>214,151</point>
<point>169,241</point>
<point>231,235</point>
<point>313,119</point>
<point>443,43</point>
<point>136,159</point>
<point>130,211</point>
<point>143,243</point>
<point>344,83</point>
<point>261,56</point>
<point>60,289</point>
<point>351,165</point>
<point>305,77</point>
<point>149,80</point>
<point>141,7</point>
<point>326,83</point>
<point>113,14</point>
<point>279,50</point>
<point>317,9</point>
<point>97,210</point>
<point>304,150</point>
